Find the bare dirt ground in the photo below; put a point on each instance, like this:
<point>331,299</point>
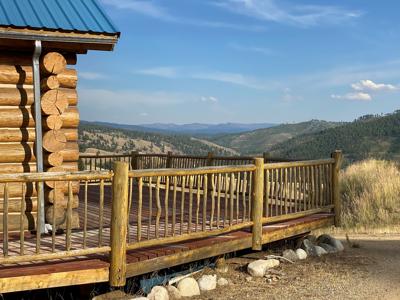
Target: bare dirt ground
<point>371,271</point>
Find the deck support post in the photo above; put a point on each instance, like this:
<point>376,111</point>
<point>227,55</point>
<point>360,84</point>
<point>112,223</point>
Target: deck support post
<point>337,156</point>
<point>257,205</point>
<point>119,224</point>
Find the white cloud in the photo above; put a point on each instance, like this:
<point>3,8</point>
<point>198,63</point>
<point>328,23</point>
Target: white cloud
<point>369,85</point>
<point>154,10</point>
<point>144,114</point>
<point>166,72</point>
<point>91,75</point>
<point>254,49</point>
<point>288,96</point>
<point>233,78</point>
<point>209,99</point>
<point>292,14</point>
<point>354,96</point>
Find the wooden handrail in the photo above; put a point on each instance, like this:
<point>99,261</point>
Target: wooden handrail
<point>303,163</point>
<point>55,176</point>
<point>188,172</point>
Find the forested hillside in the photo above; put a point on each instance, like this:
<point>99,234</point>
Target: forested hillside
<point>261,140</point>
<point>103,139</point>
<point>368,136</point>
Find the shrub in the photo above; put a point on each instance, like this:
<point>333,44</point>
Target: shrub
<point>370,192</point>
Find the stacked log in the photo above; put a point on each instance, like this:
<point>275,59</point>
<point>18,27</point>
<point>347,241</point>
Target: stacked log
<point>60,120</point>
<point>58,103</point>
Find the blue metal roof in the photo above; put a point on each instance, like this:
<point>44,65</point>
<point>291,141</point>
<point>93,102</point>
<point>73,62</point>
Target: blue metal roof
<point>67,15</point>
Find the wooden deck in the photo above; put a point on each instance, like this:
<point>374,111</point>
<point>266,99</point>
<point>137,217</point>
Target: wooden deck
<point>95,268</point>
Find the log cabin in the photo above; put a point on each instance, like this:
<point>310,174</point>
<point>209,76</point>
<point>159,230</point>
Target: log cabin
<point>39,116</point>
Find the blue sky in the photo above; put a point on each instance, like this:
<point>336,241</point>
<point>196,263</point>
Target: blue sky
<point>215,61</point>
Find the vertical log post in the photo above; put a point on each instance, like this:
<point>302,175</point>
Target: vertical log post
<point>119,223</point>
<point>169,160</point>
<point>257,206</point>
<point>210,162</point>
<point>134,160</point>
<point>337,156</point>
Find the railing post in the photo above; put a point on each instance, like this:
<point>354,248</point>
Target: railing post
<point>119,224</point>
<point>169,160</point>
<point>337,156</point>
<point>134,160</point>
<point>257,207</point>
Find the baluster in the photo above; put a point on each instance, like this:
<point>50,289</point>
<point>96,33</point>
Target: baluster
<point>150,206</point>
<point>5,221</point>
<point>205,179</point>
<point>244,187</point>
<point>158,207</point>
<point>212,200</point>
<point>219,201</point>
<point>250,193</point>
<point>198,202</point>
<point>226,200</point>
<point>182,202</point>
<point>237,196</point>
<point>130,196</point>
<point>295,189</point>
<point>267,192</point>
<point>166,205</point>
<point>85,217</point>
<point>139,212</point>
<point>174,205</point>
<point>22,221</point>
<point>231,194</point>
<point>53,231</point>
<point>69,217</point>
<point>39,215</point>
<point>190,203</point>
<point>101,212</point>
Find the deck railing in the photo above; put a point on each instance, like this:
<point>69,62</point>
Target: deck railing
<point>21,214</point>
<point>141,161</point>
<point>152,207</point>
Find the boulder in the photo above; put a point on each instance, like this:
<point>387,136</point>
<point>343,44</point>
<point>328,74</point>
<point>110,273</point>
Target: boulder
<point>188,287</point>
<point>328,248</point>
<point>290,255</point>
<point>259,267</point>
<point>207,282</point>
<point>173,292</point>
<point>222,281</point>
<point>327,239</point>
<point>312,238</point>
<point>158,293</point>
<point>320,251</point>
<point>301,254</point>
<point>309,247</point>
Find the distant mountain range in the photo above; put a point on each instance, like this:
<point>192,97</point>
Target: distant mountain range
<point>190,129</point>
<point>370,136</point>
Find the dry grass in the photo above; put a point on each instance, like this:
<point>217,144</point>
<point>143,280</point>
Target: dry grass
<point>370,192</point>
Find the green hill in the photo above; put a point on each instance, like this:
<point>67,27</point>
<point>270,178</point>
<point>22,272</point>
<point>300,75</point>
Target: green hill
<point>367,137</point>
<point>95,138</point>
<point>261,140</point>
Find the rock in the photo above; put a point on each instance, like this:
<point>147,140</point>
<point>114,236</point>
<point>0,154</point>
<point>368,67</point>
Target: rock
<point>139,298</point>
<point>290,255</point>
<point>114,295</point>
<point>222,281</point>
<point>312,238</point>
<point>188,287</point>
<point>320,251</point>
<point>259,267</point>
<point>301,254</point>
<point>221,266</point>
<point>158,293</point>
<point>249,278</point>
<point>328,248</point>
<point>173,292</point>
<point>327,239</point>
<point>307,246</point>
<point>207,282</point>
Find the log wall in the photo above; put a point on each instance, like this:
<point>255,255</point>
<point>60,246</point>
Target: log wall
<point>60,120</point>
